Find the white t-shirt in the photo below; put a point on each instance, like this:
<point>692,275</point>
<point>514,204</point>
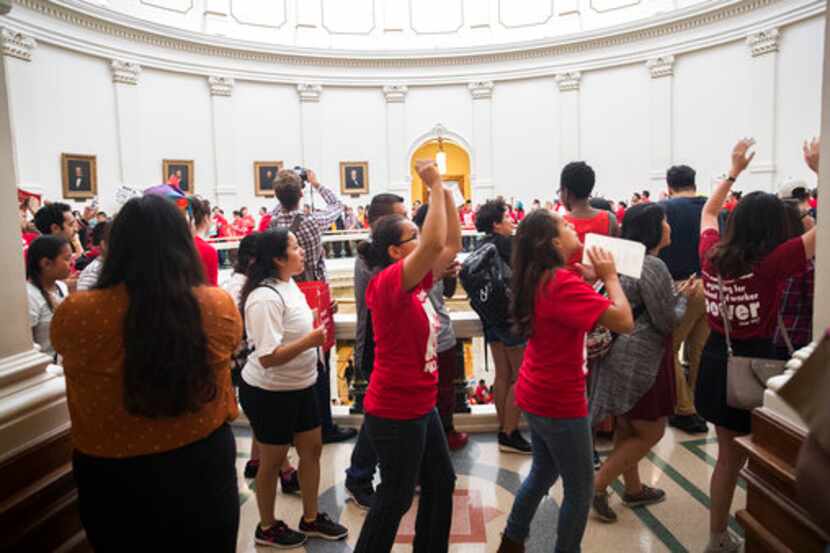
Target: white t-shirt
<point>234,285</point>
<point>89,276</point>
<point>270,321</point>
<point>40,316</point>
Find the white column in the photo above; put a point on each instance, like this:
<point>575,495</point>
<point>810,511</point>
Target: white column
<point>19,73</point>
<point>764,83</point>
<point>125,80</point>
<point>224,159</point>
<point>397,166</point>
<point>311,125</point>
<point>569,115</point>
<point>660,115</point>
<point>821,305</point>
<point>32,395</point>
<point>482,186</point>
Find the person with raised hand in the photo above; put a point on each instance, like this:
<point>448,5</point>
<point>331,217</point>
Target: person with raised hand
<point>401,420</point>
<point>554,308</point>
<point>743,272</point>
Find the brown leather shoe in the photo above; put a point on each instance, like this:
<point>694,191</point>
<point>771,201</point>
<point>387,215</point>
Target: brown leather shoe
<point>510,546</point>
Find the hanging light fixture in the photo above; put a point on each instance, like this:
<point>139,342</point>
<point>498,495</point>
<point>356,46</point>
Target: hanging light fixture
<point>441,155</point>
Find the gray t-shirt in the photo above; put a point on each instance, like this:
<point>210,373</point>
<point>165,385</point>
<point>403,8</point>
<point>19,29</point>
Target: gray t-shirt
<point>446,336</point>
<point>362,275</point>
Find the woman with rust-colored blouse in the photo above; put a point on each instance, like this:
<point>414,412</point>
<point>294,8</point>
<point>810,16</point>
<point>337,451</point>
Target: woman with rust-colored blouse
<point>147,360</point>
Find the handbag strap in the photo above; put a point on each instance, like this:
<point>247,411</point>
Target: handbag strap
<point>781,327</point>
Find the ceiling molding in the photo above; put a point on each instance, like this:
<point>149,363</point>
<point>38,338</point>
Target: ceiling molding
<point>371,29</point>
<point>248,23</point>
<point>545,21</point>
<point>160,6</point>
<point>77,26</point>
<point>615,8</point>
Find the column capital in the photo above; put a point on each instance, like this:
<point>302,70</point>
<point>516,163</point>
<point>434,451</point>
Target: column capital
<point>481,89</point>
<point>17,44</point>
<point>309,92</point>
<point>661,66</point>
<point>220,86</point>
<point>395,93</point>
<point>763,42</point>
<point>568,81</point>
<point>125,72</point>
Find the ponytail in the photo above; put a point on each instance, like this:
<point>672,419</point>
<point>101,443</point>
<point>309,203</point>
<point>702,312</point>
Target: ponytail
<point>385,232</point>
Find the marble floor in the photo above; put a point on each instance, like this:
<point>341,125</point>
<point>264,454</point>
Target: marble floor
<point>487,481</point>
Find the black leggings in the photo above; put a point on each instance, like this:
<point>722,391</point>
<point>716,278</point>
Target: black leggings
<point>185,499</point>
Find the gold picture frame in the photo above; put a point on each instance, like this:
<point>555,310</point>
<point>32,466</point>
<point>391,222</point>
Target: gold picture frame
<point>184,169</point>
<point>79,174</point>
<point>261,169</point>
<point>354,177</point>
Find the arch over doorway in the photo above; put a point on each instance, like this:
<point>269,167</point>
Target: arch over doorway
<point>459,161</point>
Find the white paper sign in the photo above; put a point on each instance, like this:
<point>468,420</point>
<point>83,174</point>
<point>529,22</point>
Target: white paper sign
<point>628,255</point>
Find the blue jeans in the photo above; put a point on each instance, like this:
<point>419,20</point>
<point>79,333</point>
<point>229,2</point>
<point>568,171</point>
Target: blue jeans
<point>560,447</point>
<point>361,470</point>
<point>409,452</point>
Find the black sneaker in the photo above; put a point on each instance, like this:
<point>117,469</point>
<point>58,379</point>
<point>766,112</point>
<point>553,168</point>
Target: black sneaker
<point>279,536</point>
<point>514,443</point>
<point>690,424</point>
<point>338,434</point>
<point>251,468</point>
<point>602,509</point>
<point>647,496</point>
<point>291,483</point>
<point>362,495</point>
<point>323,527</point>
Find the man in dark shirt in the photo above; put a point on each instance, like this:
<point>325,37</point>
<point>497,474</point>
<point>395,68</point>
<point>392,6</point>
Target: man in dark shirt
<point>683,214</point>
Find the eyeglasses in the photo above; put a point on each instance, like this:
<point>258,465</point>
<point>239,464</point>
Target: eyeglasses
<point>410,239</point>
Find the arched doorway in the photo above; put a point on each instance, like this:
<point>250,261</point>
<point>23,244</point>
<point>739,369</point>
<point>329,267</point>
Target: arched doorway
<point>458,168</point>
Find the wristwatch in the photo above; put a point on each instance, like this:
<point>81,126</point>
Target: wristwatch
<point>730,178</point>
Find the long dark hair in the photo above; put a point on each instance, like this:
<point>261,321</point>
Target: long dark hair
<point>270,244</point>
<point>755,228</point>
<point>246,253</point>
<point>151,252</point>
<point>533,255</point>
<point>385,232</point>
<point>43,247</point>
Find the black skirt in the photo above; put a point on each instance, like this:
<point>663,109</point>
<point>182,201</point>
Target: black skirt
<point>710,392</point>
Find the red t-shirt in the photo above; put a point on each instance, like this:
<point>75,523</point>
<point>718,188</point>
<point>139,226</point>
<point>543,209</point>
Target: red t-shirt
<point>250,223</point>
<point>264,223</point>
<point>404,382</point>
<point>210,261</point>
<point>752,299</point>
<point>552,378</point>
<point>598,224</point>
<point>620,215</point>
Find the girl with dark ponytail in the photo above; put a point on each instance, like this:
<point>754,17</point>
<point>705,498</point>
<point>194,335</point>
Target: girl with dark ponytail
<point>554,308</point>
<point>401,420</point>
<point>48,262</point>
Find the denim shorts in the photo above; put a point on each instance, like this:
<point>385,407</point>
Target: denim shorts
<point>504,335</point>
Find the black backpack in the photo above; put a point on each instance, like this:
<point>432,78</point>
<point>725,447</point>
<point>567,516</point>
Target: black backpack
<point>485,277</point>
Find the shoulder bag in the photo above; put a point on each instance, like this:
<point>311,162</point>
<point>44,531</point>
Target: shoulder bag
<point>746,377</point>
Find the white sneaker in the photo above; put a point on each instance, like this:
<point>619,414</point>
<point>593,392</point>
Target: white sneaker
<point>726,544</point>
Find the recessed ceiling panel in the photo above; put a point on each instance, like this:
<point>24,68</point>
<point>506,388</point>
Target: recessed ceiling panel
<point>610,5</point>
<point>436,16</point>
<point>180,6</point>
<point>259,13</point>
<point>352,17</point>
<point>525,13</point>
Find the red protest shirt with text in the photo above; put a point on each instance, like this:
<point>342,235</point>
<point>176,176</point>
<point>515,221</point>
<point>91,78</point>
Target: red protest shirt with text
<point>751,300</point>
<point>552,377</point>
<point>404,381</point>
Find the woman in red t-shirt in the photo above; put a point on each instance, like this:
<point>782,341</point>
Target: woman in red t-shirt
<point>200,210</point>
<point>747,266</point>
<point>554,308</point>
<point>575,187</point>
<point>401,420</point>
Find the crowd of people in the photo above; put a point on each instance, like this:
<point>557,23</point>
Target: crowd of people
<point>152,350</point>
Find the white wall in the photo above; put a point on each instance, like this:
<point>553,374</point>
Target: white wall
<point>711,91</point>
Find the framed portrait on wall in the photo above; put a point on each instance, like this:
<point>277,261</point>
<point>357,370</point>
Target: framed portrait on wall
<point>182,168</point>
<point>80,176</point>
<point>354,177</point>
<point>265,172</point>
